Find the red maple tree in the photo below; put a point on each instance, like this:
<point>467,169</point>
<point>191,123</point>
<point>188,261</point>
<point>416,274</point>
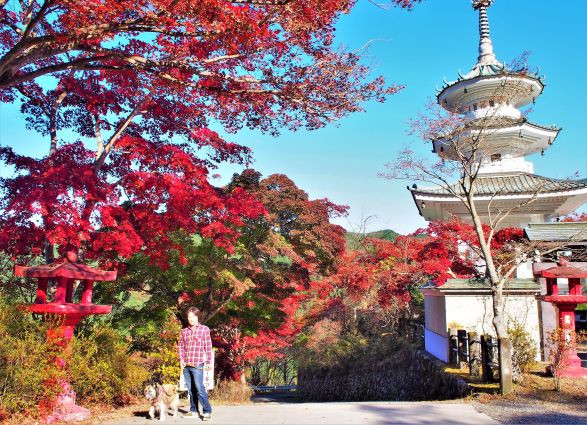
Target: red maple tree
<point>287,251</point>
<point>140,83</point>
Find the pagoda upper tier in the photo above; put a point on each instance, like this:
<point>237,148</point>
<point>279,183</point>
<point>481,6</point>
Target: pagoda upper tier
<point>489,96</point>
<point>498,137</point>
<point>499,88</point>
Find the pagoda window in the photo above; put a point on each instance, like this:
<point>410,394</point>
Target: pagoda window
<point>495,157</point>
<point>491,103</point>
<point>474,107</point>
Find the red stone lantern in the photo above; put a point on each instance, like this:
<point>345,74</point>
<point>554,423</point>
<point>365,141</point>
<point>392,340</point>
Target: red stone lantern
<point>64,408</point>
<point>566,304</point>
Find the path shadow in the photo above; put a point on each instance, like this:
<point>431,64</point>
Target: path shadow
<point>285,397</point>
<point>548,418</point>
<point>423,414</point>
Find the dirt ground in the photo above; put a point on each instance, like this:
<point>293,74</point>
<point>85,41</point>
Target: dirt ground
<point>534,401</point>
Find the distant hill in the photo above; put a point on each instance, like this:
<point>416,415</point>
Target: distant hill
<point>353,239</point>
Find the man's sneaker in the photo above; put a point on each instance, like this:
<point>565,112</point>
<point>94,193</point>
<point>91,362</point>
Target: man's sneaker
<point>207,416</point>
<point>190,415</point>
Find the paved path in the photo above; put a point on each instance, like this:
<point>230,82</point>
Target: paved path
<point>334,413</point>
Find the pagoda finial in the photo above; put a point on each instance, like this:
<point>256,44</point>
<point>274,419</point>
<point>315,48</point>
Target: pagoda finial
<point>486,56</point>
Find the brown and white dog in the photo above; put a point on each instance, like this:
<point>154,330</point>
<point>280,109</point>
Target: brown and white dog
<point>162,398</point>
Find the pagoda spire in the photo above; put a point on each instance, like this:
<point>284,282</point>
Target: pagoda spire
<point>486,56</point>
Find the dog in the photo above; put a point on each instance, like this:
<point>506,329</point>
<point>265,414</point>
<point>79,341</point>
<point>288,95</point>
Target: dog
<point>162,398</point>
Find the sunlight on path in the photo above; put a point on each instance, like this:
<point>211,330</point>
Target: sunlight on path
<point>336,413</point>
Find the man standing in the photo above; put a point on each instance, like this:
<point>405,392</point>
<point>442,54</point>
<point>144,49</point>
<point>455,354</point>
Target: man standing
<point>195,356</point>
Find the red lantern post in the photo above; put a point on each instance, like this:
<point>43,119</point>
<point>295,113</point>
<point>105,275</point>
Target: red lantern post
<point>566,304</point>
<point>66,273</point>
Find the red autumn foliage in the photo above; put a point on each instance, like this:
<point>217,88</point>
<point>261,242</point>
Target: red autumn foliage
<point>575,217</point>
<point>254,295</point>
<point>170,40</point>
<point>136,202</point>
<point>144,80</point>
<point>299,229</point>
<point>443,250</point>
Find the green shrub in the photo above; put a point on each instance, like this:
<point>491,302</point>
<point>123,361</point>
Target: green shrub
<point>525,351</point>
<point>28,373</point>
<point>162,358</point>
<point>102,369</point>
<point>165,364</point>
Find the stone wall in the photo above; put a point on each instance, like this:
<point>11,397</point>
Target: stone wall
<point>406,375</point>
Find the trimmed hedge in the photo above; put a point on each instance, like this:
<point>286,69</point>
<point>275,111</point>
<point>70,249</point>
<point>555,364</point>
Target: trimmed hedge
<point>400,374</point>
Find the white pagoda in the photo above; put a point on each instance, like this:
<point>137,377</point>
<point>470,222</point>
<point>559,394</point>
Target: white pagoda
<point>506,179</point>
<point>489,98</point>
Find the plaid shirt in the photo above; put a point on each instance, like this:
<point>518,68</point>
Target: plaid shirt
<point>195,345</point>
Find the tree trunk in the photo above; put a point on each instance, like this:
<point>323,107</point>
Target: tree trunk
<point>505,344</point>
<point>505,366</point>
<point>499,323</point>
<point>48,252</point>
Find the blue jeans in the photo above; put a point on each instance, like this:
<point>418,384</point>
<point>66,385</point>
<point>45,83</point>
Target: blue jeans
<point>194,379</point>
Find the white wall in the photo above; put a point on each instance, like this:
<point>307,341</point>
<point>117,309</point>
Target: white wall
<point>475,313</point>
<point>524,270</point>
<point>435,335</point>
<point>436,344</point>
<point>435,314</point>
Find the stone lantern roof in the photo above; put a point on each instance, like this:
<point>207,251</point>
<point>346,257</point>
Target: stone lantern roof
<point>68,270</point>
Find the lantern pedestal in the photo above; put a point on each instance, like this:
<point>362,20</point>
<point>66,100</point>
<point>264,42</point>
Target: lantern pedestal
<point>566,313</point>
<point>63,408</point>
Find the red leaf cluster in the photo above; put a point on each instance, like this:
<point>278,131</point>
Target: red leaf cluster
<point>135,203</point>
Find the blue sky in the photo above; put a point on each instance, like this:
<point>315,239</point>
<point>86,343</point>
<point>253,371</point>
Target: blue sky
<point>416,49</point>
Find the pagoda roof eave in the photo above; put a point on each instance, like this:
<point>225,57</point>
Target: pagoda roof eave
<point>446,197</point>
<point>516,126</point>
<point>413,193</point>
<point>504,123</point>
<point>517,184</point>
<point>462,81</point>
<point>516,139</point>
